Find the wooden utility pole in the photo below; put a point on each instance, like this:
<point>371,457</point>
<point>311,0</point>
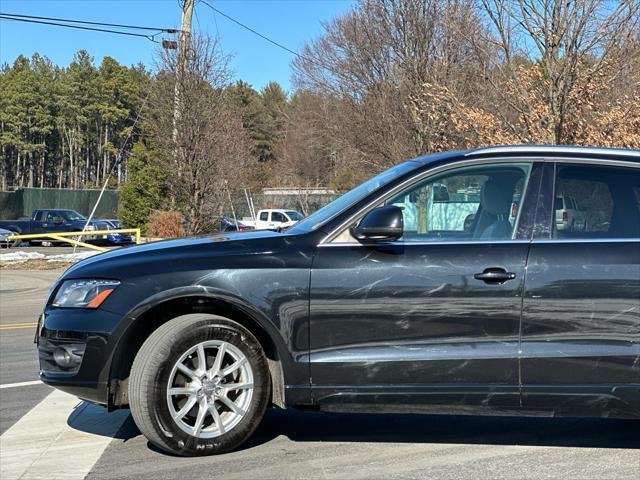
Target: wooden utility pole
<point>183,52</point>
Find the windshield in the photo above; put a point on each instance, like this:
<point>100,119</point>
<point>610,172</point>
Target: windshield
<point>71,215</point>
<point>293,215</point>
<point>326,213</point>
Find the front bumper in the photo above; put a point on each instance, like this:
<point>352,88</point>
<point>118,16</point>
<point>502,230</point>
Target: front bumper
<point>75,349</point>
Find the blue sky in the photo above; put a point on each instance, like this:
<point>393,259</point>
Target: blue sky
<point>289,22</point>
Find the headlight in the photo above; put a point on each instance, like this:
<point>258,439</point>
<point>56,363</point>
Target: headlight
<point>84,293</point>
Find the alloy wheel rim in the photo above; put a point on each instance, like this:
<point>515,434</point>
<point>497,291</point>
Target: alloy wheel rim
<point>210,389</point>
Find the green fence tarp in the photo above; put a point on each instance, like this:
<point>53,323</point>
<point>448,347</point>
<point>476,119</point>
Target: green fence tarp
<point>22,202</point>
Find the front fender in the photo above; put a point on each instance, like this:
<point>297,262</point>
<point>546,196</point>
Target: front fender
<point>200,291</point>
<point>294,366</point>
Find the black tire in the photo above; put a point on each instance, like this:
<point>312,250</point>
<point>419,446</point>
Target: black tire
<point>152,368</point>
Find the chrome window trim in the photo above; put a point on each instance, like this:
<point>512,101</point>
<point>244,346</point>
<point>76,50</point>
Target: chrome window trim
<point>594,161</point>
<point>587,240</point>
<point>495,242</point>
<point>471,162</point>
<point>397,243</point>
<point>423,175</point>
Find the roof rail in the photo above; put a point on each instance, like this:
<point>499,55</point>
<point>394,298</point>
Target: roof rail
<point>554,149</point>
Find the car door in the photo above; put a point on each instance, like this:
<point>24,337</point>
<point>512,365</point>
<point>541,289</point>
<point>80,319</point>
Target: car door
<point>262,223</point>
<point>581,309</point>
<point>52,222</point>
<point>277,219</point>
<point>38,221</point>
<point>420,320</point>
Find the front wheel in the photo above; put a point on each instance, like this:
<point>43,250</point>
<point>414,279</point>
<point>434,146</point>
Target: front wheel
<point>199,385</point>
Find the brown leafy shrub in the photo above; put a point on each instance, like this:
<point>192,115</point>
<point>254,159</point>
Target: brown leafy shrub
<point>165,225</point>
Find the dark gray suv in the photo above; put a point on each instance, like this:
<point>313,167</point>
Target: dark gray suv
<point>443,284</point>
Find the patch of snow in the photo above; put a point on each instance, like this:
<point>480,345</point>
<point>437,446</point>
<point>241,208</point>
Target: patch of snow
<point>71,257</point>
<point>20,257</point>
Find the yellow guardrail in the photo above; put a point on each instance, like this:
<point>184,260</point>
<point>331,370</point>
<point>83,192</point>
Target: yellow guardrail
<point>62,236</point>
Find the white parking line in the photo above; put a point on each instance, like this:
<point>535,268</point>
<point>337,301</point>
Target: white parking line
<point>21,384</point>
<point>61,437</point>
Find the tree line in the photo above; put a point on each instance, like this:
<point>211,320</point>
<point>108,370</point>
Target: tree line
<point>64,127</point>
<point>386,81</point>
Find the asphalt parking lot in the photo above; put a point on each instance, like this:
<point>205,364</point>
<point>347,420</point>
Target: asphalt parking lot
<point>47,434</point>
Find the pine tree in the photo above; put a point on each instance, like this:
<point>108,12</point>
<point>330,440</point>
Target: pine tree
<point>146,187</point>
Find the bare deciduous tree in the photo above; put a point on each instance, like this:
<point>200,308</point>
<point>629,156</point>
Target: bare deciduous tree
<point>376,59</point>
<point>553,57</point>
<point>211,149</point>
<point>407,77</point>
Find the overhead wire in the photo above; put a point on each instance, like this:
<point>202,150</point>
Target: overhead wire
<point>274,42</point>
<point>87,22</point>
<point>255,32</point>
<point>57,23</point>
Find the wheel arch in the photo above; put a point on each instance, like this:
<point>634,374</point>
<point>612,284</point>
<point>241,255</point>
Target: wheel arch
<point>145,319</point>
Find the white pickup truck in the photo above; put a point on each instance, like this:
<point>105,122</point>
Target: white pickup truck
<point>273,219</point>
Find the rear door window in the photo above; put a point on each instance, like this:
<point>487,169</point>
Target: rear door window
<point>603,202</point>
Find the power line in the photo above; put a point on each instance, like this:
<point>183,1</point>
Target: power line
<point>277,44</point>
<point>86,22</point>
<point>31,19</point>
<point>148,37</point>
<point>246,27</point>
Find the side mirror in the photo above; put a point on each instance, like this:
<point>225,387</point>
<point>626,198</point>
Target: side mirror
<point>382,224</point>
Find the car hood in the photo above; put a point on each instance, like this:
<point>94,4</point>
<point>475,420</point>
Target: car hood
<point>235,242</point>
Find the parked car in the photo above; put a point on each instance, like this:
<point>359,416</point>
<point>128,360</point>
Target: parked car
<point>4,239</point>
<point>118,238</point>
<point>569,216</point>
<point>274,219</point>
<point>224,223</point>
<point>350,310</point>
<point>50,220</point>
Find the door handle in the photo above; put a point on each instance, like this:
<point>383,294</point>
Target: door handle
<point>494,275</point>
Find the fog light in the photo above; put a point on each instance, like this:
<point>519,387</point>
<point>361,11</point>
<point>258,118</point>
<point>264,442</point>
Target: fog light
<point>63,358</point>
<point>60,356</point>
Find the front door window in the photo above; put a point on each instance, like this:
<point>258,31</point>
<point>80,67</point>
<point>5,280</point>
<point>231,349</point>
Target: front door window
<point>472,204</point>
